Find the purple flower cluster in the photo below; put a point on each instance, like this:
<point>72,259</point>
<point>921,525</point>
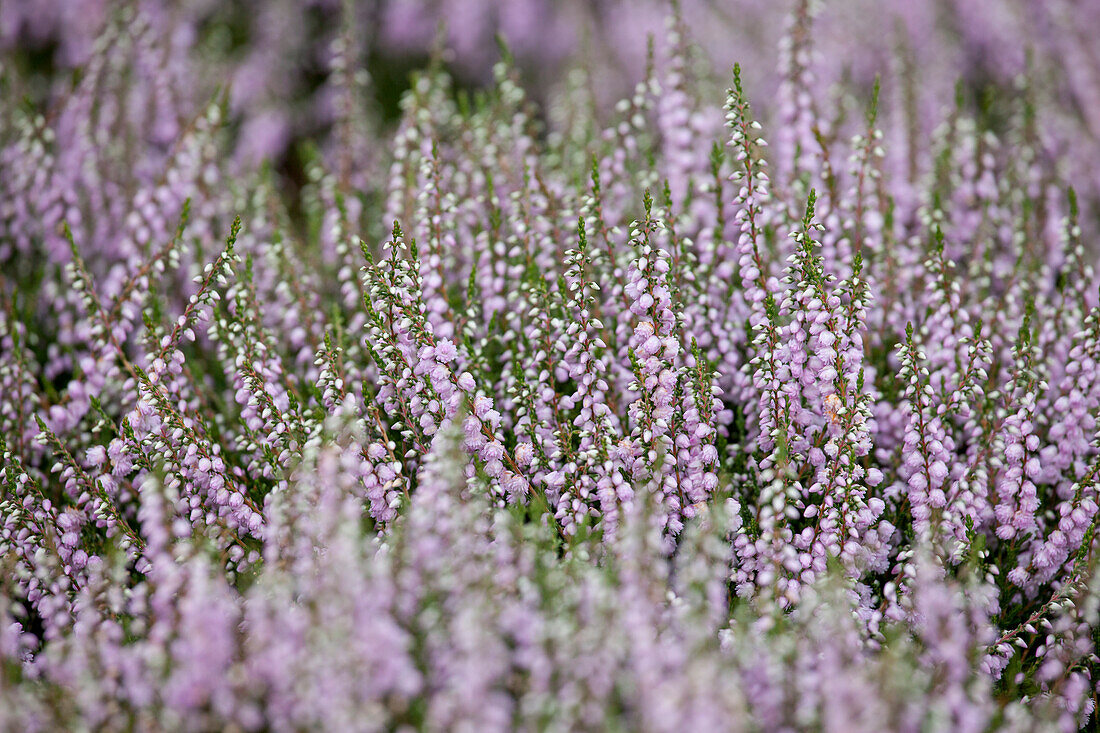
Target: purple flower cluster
<point>603,417</point>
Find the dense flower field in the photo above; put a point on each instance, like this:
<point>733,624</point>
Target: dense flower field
<point>762,399</point>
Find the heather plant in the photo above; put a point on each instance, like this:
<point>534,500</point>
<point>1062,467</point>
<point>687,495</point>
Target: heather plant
<point>682,413</point>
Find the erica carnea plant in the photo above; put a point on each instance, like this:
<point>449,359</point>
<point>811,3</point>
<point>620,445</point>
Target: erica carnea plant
<point>518,415</point>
